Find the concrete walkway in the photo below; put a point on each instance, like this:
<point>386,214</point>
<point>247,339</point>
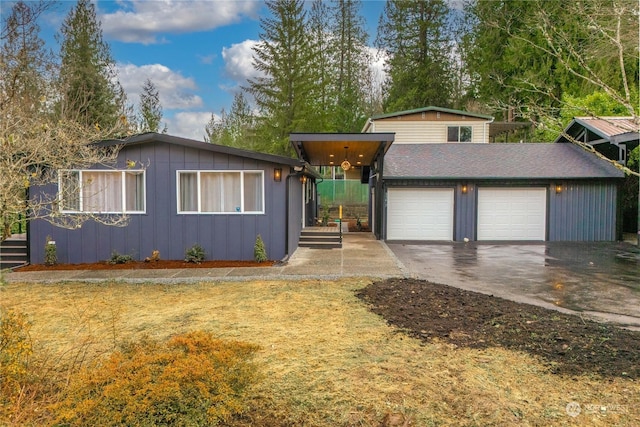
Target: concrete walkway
<point>361,255</point>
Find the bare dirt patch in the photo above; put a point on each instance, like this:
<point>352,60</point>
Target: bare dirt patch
<point>139,265</point>
<point>568,344</point>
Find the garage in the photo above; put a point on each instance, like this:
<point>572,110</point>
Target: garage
<point>512,213</point>
<point>420,214</point>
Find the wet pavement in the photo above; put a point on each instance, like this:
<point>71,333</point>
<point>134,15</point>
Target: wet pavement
<point>600,280</point>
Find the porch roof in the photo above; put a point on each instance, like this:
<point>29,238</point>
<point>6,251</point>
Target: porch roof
<point>331,149</point>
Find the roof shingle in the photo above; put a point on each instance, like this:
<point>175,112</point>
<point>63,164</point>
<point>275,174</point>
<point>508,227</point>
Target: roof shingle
<point>495,161</point>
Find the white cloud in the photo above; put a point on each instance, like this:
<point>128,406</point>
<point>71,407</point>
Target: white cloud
<point>176,91</point>
<point>238,61</point>
<point>140,21</point>
<point>188,124</point>
<point>378,60</point>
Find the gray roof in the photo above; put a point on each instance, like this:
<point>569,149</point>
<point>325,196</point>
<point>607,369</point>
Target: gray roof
<point>151,137</point>
<point>495,161</point>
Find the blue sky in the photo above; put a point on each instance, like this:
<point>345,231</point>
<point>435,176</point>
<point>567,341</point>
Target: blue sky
<point>197,53</point>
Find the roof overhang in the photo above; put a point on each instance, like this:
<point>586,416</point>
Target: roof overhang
<point>331,149</point>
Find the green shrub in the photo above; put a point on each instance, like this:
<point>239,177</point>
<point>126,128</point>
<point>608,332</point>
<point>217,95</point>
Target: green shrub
<point>192,380</point>
<point>259,251</point>
<point>50,252</point>
<point>117,258</point>
<point>194,254</point>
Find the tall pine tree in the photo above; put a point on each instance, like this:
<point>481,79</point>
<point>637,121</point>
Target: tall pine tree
<point>352,62</point>
<point>235,129</point>
<point>150,108</point>
<point>323,93</point>
<point>88,75</point>
<point>27,67</point>
<point>415,35</point>
<point>282,92</point>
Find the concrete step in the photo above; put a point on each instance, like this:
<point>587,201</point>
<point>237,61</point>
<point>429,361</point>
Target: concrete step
<point>320,239</point>
<point>13,253</point>
<point>320,245</point>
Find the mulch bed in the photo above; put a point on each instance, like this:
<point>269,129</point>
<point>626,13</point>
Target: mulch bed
<point>569,344</point>
<point>140,265</point>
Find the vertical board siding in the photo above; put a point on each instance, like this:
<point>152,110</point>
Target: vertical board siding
<point>465,213</point>
<point>583,212</point>
<point>223,237</point>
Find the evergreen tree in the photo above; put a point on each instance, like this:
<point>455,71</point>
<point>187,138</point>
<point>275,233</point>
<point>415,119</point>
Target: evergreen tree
<point>283,91</point>
<point>415,36</point>
<point>352,65</point>
<point>235,129</point>
<point>150,108</point>
<point>241,123</point>
<point>215,128</point>
<point>528,56</point>
<point>27,67</point>
<point>323,93</point>
<point>88,75</point>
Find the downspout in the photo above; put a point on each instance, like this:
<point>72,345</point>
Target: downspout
<point>287,255</point>
<point>286,215</point>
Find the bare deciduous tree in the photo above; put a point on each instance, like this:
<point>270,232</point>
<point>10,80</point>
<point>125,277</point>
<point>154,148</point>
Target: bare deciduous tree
<point>36,139</point>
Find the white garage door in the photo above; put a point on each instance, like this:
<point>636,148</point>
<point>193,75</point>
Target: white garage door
<point>512,213</point>
<point>420,214</point>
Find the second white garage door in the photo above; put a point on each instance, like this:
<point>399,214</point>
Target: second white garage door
<point>512,213</point>
<point>420,214</point>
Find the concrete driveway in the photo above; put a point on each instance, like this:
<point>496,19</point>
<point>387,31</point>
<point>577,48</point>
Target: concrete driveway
<point>601,280</point>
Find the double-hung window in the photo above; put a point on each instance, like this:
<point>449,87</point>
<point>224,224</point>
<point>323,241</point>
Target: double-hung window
<point>100,191</point>
<point>221,192</point>
<point>459,134</point>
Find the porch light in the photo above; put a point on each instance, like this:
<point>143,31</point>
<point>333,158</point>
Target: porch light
<point>558,188</point>
<point>345,165</point>
<point>277,174</point>
<point>303,179</point>
<point>464,189</point>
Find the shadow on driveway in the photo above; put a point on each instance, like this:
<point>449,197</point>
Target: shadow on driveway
<point>600,279</point>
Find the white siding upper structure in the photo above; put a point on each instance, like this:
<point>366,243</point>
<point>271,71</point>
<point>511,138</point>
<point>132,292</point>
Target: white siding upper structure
<point>432,125</point>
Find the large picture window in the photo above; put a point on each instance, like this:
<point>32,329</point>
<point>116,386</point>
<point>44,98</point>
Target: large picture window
<point>220,192</point>
<point>459,134</point>
<point>98,191</point>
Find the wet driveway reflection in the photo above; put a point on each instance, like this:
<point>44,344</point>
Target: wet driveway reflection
<point>600,278</point>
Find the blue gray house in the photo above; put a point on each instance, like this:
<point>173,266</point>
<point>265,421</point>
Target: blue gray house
<point>176,193</point>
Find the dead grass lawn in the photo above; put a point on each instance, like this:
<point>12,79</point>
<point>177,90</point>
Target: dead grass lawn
<point>326,359</point>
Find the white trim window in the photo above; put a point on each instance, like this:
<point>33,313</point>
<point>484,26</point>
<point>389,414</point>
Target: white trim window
<point>459,133</point>
<point>220,192</point>
<point>102,191</point>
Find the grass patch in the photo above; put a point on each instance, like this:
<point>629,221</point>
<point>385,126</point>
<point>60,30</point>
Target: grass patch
<point>325,359</point>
